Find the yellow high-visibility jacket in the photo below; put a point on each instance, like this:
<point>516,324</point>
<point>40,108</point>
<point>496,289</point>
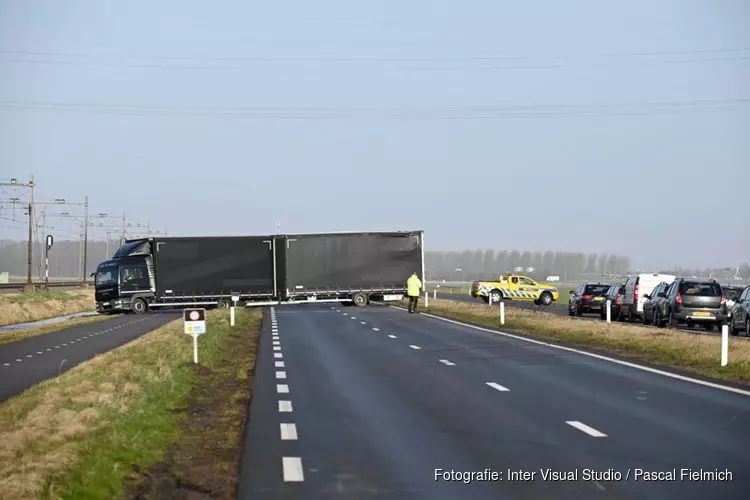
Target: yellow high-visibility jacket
<point>413,285</point>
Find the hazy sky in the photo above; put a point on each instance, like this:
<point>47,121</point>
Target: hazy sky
<point>617,126</point>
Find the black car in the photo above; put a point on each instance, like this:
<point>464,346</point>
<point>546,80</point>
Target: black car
<point>588,298</point>
<point>614,296</point>
<point>655,305</point>
<point>696,302</point>
<point>739,320</point>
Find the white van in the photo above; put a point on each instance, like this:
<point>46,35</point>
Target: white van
<point>635,288</point>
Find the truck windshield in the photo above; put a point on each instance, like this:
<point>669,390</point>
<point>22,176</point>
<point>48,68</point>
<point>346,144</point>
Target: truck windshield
<point>106,276</point>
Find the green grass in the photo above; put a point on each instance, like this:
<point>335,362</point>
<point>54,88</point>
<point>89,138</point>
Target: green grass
<point>41,296</point>
<point>688,352</point>
<point>88,433</point>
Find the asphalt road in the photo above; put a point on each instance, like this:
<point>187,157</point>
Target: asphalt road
<point>361,403</point>
<point>26,363</point>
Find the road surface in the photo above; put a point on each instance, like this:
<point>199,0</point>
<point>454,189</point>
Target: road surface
<point>362,403</point>
<point>26,363</point>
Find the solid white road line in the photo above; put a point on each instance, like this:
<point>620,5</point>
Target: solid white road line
<point>446,362</point>
<point>280,374</point>
<point>285,406</point>
<point>590,354</point>
<point>415,347</point>
<point>278,355</point>
<point>392,336</point>
<point>279,364</point>
<point>497,386</point>
<point>585,428</point>
<point>282,388</point>
<point>376,329</point>
<point>288,432</point>
<point>292,467</point>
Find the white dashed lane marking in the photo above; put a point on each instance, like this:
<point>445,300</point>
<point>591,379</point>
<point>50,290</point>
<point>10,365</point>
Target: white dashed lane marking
<point>585,428</point>
<point>447,363</point>
<point>282,388</point>
<point>288,432</point>
<point>376,329</point>
<point>292,469</point>
<point>285,406</point>
<point>415,347</point>
<point>280,374</point>
<point>278,355</point>
<point>392,336</point>
<point>364,322</point>
<point>497,386</point>
<point>279,364</point>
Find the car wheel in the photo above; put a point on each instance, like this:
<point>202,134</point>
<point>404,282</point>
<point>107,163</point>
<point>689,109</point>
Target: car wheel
<point>579,310</point>
<point>496,296</point>
<point>570,311</point>
<point>645,319</point>
<point>747,327</point>
<point>139,306</point>
<point>546,298</point>
<point>733,328</point>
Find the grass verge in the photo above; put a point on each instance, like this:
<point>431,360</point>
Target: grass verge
<point>687,352</point>
<point>35,306</point>
<point>121,424</point>
<point>17,335</point>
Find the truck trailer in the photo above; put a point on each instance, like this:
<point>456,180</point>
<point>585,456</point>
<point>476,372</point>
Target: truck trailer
<point>211,271</point>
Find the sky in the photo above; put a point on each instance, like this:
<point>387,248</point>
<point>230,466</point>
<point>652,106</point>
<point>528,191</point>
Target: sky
<point>618,126</point>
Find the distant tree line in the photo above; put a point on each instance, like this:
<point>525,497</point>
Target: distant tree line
<point>64,258</point>
<point>470,265</point>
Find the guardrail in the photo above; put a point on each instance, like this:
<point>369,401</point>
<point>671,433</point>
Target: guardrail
<point>41,285</point>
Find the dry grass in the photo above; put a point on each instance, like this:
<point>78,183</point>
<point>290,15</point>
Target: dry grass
<point>690,352</point>
<point>35,306</point>
<point>17,335</point>
<point>80,435</point>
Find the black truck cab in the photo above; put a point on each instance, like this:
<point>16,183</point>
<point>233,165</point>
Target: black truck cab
<point>126,281</point>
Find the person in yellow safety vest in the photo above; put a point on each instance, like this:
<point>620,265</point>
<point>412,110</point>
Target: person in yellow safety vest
<point>413,285</point>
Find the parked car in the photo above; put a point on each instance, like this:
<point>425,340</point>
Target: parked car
<point>635,288</point>
<point>739,319</point>
<point>587,298</point>
<point>655,305</point>
<point>696,302</point>
<point>614,295</point>
<point>732,293</point>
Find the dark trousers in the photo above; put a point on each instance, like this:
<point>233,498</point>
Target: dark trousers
<point>413,303</point>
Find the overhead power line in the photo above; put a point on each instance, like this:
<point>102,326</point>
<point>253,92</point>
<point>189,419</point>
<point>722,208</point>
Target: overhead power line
<point>460,112</point>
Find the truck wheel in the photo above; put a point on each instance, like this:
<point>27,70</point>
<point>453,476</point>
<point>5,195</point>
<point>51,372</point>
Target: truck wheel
<point>139,306</point>
<point>546,298</point>
<point>496,296</point>
<point>223,304</point>
<point>359,299</point>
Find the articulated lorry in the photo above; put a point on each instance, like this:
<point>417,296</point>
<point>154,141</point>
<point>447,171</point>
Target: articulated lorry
<point>211,271</point>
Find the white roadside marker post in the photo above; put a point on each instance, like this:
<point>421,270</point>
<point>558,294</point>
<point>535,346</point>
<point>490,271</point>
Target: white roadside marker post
<point>609,311</point>
<point>502,312</point>
<point>235,299</point>
<point>426,299</point>
<point>434,293</point>
<point>724,345</point>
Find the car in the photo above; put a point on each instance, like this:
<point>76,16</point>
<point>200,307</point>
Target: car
<point>732,293</point>
<point>739,319</point>
<point>614,295</point>
<point>635,289</point>
<point>514,287</point>
<point>696,302</point>
<point>587,298</point>
<point>654,308</point>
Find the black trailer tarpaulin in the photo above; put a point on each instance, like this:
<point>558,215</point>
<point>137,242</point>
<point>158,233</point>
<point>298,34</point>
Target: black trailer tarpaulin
<point>213,265</point>
<point>347,261</point>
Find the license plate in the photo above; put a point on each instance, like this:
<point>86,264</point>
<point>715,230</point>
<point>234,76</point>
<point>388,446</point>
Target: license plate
<point>105,304</point>
<point>599,299</point>
<point>701,313</point>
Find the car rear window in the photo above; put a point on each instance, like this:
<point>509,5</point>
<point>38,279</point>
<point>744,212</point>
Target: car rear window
<point>701,289</point>
<point>596,289</point>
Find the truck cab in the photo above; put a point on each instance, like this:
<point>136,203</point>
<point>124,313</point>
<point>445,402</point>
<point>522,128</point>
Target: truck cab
<point>126,281</point>
<point>515,287</point>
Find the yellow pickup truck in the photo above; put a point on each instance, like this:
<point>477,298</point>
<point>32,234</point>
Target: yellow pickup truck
<point>515,287</point>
